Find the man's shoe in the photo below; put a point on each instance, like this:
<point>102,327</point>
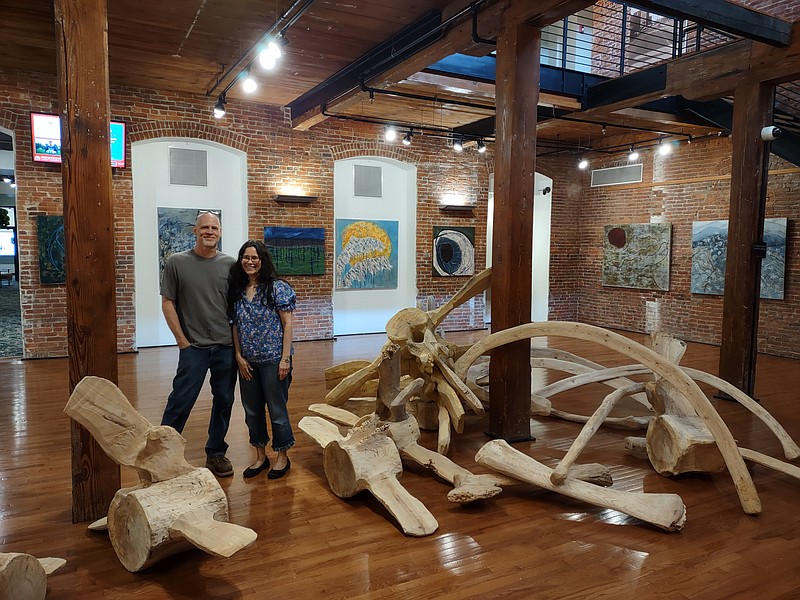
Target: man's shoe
<point>219,465</point>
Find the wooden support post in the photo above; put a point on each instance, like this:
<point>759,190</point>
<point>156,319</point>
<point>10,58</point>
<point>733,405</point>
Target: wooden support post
<point>752,110</point>
<point>517,87</point>
<point>82,41</point>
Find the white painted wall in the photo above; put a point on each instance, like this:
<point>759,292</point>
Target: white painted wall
<point>540,276</point>
<point>226,190</point>
<point>367,311</point>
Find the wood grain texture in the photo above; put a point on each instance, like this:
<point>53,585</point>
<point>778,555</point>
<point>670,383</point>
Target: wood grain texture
<point>524,543</point>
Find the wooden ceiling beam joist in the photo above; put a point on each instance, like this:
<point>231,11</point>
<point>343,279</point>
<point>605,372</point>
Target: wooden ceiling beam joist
<point>725,16</point>
<point>457,39</point>
<point>713,74</point>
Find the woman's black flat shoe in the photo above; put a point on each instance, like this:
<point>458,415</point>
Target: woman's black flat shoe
<point>253,471</point>
<point>278,473</point>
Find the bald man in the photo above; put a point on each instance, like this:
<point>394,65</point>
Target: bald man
<point>193,300</point>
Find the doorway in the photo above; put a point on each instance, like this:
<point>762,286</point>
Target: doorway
<point>10,313</point>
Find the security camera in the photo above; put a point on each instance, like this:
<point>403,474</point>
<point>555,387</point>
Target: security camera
<point>546,191</point>
<point>770,133</point>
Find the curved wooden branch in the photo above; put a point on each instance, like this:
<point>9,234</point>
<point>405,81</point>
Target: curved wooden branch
<point>772,463</point>
<point>475,285</point>
<point>560,473</point>
<point>351,384</point>
<point>748,496</point>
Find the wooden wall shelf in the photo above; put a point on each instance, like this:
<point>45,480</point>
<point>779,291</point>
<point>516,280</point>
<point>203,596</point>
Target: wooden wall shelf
<point>290,199</point>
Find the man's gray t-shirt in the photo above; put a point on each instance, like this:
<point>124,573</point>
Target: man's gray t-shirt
<point>199,287</point>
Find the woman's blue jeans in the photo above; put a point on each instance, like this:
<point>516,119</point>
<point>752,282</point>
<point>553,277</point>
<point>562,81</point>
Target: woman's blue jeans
<point>193,364</point>
<point>266,389</point>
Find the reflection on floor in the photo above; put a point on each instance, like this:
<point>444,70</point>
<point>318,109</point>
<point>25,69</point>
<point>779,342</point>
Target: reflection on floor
<point>10,320</point>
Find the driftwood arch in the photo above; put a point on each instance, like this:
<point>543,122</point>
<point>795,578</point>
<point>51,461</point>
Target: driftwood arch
<point>745,488</point>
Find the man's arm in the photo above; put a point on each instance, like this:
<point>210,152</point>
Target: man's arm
<point>173,322</point>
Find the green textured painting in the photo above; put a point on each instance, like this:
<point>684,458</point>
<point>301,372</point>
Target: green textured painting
<point>50,235</point>
<point>637,256</point>
<point>296,250</point>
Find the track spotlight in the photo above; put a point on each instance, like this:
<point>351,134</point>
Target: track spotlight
<point>249,84</point>
<point>481,147</point>
<point>664,149</point>
<point>583,164</point>
<point>390,134</point>
<point>634,155</point>
<point>689,139</point>
<point>269,56</point>
<point>458,144</point>
<point>407,138</point>
<point>219,107</point>
<point>603,130</point>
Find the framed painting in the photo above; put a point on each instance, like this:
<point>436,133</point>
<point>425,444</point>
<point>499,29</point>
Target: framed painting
<point>453,251</point>
<point>296,250</point>
<point>637,256</point>
<point>175,231</point>
<point>710,251</point>
<point>366,254</point>
<point>50,236</point>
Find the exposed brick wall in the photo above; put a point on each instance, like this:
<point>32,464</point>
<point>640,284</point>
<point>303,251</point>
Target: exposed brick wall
<point>277,156</point>
<point>688,316</point>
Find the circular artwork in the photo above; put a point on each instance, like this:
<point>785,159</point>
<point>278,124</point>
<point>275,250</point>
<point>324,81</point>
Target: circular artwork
<point>617,237</point>
<point>453,254</point>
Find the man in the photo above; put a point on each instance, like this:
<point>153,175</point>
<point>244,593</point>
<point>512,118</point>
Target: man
<point>193,300</point>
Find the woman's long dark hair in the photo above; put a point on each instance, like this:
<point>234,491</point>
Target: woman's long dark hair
<point>238,279</point>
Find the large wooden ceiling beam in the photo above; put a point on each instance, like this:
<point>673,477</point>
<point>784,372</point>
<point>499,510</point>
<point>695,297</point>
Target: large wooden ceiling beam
<point>706,75</point>
<point>491,20</point>
<point>725,16</point>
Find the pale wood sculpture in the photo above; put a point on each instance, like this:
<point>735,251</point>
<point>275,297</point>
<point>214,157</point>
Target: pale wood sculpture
<point>686,388</point>
<point>663,510</point>
<point>175,506</point>
<point>365,459</point>
<point>424,354</point>
<point>24,577</point>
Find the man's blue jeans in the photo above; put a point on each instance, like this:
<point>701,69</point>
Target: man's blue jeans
<point>193,365</point>
<point>267,388</point>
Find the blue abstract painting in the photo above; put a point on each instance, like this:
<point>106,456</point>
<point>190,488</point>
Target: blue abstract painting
<point>710,252</point>
<point>296,250</point>
<point>366,254</point>
<point>50,235</point>
<point>175,233</point>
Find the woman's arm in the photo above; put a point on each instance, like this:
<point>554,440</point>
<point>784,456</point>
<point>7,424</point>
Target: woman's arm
<point>245,369</point>
<point>287,319</point>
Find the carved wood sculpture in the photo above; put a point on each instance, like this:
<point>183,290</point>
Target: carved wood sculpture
<point>425,355</point>
<point>663,510</point>
<point>24,577</point>
<point>685,396</point>
<point>175,506</point>
<point>365,459</point>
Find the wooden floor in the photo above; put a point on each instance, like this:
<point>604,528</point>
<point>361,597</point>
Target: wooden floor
<point>525,543</point>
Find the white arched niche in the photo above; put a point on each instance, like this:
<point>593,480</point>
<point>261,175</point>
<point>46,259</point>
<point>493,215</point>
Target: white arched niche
<point>540,276</point>
<point>225,189</point>
<point>391,186</point>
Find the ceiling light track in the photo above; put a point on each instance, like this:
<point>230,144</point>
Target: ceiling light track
<point>435,99</point>
<point>281,25</point>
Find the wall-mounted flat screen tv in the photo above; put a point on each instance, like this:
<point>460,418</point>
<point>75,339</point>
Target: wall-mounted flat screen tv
<point>46,139</point>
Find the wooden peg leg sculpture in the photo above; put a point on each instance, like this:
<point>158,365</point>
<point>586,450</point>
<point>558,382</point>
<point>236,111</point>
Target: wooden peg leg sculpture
<point>366,459</point>
<point>663,510</point>
<point>24,577</point>
<point>176,506</point>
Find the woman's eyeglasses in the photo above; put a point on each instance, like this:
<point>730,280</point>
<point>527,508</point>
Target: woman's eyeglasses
<point>251,259</point>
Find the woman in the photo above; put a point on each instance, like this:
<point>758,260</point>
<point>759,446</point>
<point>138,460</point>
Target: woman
<point>260,307</point>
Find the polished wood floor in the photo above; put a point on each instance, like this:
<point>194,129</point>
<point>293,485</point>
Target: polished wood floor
<point>525,543</point>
